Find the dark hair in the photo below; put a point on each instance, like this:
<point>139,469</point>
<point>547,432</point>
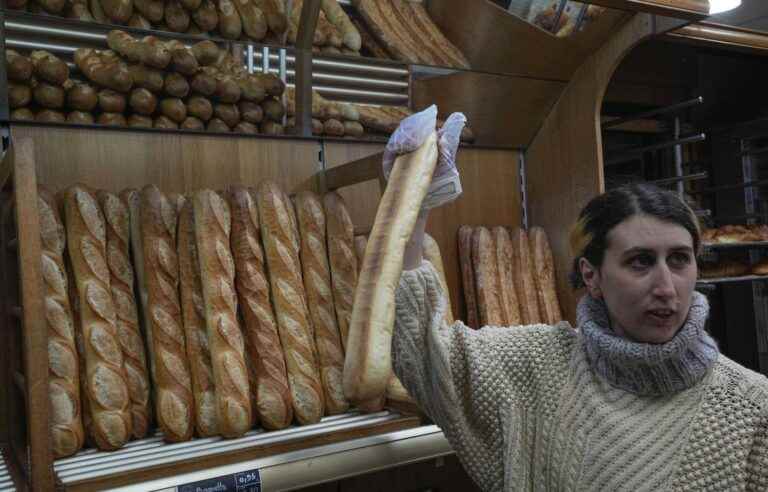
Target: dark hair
<point>589,236</point>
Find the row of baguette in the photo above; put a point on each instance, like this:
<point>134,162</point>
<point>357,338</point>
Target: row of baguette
<point>508,277</point>
<point>242,313</point>
<point>145,83</point>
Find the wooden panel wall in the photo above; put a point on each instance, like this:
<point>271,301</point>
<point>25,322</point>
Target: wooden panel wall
<point>175,162</point>
<point>564,165</point>
<point>491,183</point>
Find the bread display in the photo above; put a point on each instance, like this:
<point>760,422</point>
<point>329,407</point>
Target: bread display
<point>162,311</point>
<point>281,245</point>
<point>67,434</point>
<point>464,237</point>
<point>341,254</point>
<point>760,268</point>
<point>544,276</point>
<point>317,282</point>
<point>486,271</point>
<point>368,363</point>
<point>432,255</point>
<point>725,268</point>
<point>105,377</point>
<point>732,234</point>
<point>195,328</point>
<point>522,271</point>
<point>508,297</point>
<point>117,218</point>
<point>213,225</point>
<point>262,342</point>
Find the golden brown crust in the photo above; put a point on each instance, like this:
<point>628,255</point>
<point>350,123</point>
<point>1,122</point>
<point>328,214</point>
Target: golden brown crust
<point>448,51</point>
<point>510,304</point>
<point>213,225</point>
<point>381,29</point>
<point>468,284</point>
<point>195,329</point>
<point>522,271</point>
<point>432,255</point>
<point>341,254</point>
<point>67,434</point>
<point>317,280</point>
<point>544,276</point>
<point>121,283</point>
<point>486,278</point>
<point>105,375</point>
<point>281,245</point>
<point>173,385</point>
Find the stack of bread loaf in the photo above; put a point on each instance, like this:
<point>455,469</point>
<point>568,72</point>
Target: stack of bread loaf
<point>331,118</point>
<point>242,307</point>
<point>256,20</point>
<point>335,33</point>
<point>383,120</point>
<point>149,83</point>
<point>508,277</point>
<point>729,234</point>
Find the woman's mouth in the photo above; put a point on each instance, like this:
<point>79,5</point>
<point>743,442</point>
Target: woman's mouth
<point>661,316</point>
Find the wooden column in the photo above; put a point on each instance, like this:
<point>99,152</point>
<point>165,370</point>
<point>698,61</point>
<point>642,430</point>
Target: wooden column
<point>564,164</point>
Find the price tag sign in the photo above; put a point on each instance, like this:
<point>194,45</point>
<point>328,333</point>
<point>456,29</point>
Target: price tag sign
<point>246,481</point>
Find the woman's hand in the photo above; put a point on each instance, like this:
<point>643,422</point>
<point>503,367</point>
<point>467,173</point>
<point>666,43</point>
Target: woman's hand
<point>445,186</point>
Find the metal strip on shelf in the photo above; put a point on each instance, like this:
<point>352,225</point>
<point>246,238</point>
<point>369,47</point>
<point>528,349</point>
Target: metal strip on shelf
<point>151,452</point>
<point>725,280</point>
<point>321,464</point>
<point>6,482</point>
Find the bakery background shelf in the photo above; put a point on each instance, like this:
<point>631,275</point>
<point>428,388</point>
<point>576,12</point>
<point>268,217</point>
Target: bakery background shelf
<point>152,458</point>
<point>6,481</point>
<point>750,244</point>
<point>725,280</point>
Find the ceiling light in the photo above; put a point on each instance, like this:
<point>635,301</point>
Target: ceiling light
<point>718,6</point>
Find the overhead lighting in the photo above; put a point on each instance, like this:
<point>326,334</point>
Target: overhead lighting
<point>718,6</point>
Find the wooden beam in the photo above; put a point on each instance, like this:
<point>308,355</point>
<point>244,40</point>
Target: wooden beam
<point>712,34</point>
<point>35,330</point>
<point>6,167</point>
<point>353,172</point>
<point>307,25</point>
<point>683,9</point>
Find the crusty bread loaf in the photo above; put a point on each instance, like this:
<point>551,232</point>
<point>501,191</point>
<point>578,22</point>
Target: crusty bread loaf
<point>105,375</point>
<point>195,329</point>
<point>177,200</point>
<point>213,225</point>
<point>375,13</point>
<point>449,53</point>
<point>173,385</point>
<point>67,433</point>
<point>522,271</point>
<point>317,282</point>
<point>129,333</point>
<point>282,252</point>
<point>368,363</point>
<point>272,394</point>
<point>361,242</point>
<point>510,305</point>
<point>544,276</point>
<point>464,239</point>
<point>760,268</point>
<point>341,254</point>
<point>486,278</point>
<point>432,255</point>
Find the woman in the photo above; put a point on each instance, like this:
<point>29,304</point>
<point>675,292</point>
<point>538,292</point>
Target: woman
<point>638,398</point>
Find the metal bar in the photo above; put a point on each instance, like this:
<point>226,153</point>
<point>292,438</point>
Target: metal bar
<point>723,280</point>
<point>249,58</point>
<point>678,159</point>
<point>680,179</point>
<point>714,189</point>
<point>4,109</point>
<point>264,59</point>
<point>48,32</point>
<point>665,145</point>
<point>11,42</point>
<point>761,150</point>
<point>655,112</point>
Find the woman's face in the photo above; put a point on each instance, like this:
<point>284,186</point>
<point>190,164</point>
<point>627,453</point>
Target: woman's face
<point>647,278</point>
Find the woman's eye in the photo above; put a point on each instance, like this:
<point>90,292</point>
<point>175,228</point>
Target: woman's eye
<point>641,262</point>
<point>679,260</point>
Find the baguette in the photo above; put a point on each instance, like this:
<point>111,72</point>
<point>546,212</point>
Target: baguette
<point>486,278</point>
<point>106,384</point>
<point>341,253</point>
<point>468,275</point>
<point>195,329</point>
<point>423,23</point>
<point>523,275</point>
<point>129,334</point>
<point>317,281</point>
<point>262,341</point>
<point>368,363</point>
<point>376,16</point>
<point>213,223</point>
<point>252,18</point>
<point>282,253</point>
<point>544,276</point>
<point>274,11</point>
<point>230,23</point>
<point>173,386</point>
<point>419,41</point>
<point>510,304</point>
<point>336,16</point>
<point>67,434</point>
<point>432,255</point>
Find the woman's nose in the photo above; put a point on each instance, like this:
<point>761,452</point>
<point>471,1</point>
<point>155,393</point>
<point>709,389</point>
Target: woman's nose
<point>663,285</point>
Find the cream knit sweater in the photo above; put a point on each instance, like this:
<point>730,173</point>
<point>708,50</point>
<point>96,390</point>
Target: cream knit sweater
<point>524,408</point>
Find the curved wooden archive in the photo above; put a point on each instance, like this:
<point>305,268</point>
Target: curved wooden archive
<point>251,274</point>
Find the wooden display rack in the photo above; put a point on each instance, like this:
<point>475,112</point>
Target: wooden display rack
<point>541,99</point>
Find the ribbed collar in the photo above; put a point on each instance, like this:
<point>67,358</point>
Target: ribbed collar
<point>643,368</point>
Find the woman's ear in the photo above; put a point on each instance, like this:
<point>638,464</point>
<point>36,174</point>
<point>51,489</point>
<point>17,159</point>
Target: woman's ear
<point>591,277</point>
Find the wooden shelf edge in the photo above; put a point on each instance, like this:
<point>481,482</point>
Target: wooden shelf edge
<point>725,280</point>
<point>718,34</point>
<point>682,9</point>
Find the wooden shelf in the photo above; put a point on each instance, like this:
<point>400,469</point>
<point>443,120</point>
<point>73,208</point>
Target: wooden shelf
<point>744,245</point>
<point>727,280</point>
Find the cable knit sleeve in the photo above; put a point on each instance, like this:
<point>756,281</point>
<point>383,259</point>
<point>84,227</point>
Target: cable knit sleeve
<point>435,364</point>
<point>757,462</point>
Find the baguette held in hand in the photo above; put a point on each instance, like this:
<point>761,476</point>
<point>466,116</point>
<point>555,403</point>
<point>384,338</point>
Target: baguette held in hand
<point>368,363</point>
